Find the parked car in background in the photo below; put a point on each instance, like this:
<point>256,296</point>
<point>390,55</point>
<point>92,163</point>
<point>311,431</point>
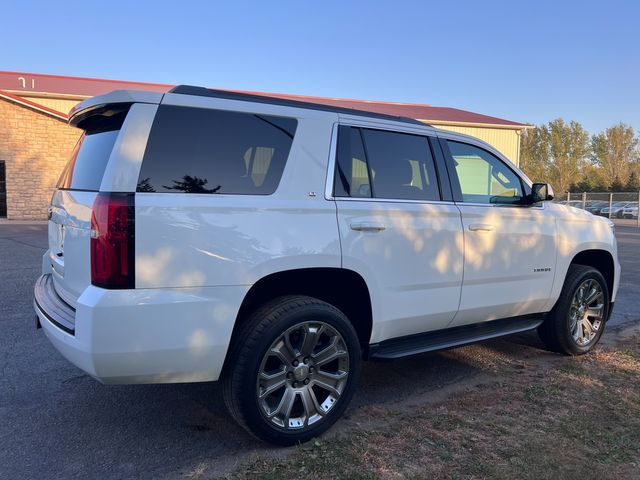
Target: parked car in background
<point>631,210</point>
<point>616,209</point>
<point>596,206</point>
<point>273,245</point>
<point>572,203</point>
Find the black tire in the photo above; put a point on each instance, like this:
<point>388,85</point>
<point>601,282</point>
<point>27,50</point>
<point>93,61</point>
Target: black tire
<point>245,360</point>
<point>555,331</point>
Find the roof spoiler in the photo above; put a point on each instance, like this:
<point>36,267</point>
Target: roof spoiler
<point>102,103</point>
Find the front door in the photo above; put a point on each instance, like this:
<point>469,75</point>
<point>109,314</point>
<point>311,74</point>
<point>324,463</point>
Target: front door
<point>509,248</point>
<point>396,232</point>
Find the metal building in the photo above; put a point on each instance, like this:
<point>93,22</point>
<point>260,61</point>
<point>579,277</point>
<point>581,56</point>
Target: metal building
<point>35,139</point>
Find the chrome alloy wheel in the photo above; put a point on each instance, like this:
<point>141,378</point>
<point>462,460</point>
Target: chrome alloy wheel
<point>586,313</point>
<point>302,375</point>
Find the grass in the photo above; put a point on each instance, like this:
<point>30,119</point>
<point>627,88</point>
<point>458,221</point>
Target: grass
<point>578,419</point>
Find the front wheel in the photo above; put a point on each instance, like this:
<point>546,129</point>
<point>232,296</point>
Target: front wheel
<point>292,370</point>
<point>577,321</point>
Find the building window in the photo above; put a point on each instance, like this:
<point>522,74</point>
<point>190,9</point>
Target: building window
<point>3,189</point>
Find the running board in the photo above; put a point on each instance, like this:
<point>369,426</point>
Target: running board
<point>451,337</point>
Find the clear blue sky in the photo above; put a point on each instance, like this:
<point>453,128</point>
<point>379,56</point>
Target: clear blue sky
<point>520,60</point>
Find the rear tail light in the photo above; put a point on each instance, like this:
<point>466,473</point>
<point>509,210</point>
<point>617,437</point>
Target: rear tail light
<point>113,241</point>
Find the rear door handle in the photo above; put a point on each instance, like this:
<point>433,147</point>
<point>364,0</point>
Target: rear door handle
<point>367,227</point>
<point>481,227</point>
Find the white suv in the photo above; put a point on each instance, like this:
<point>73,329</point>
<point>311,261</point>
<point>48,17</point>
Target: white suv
<point>274,245</point>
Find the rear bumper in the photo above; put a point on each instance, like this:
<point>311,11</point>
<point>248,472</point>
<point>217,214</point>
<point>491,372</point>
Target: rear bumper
<point>49,303</point>
<point>147,335</point>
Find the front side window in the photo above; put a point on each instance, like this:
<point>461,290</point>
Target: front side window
<point>483,177</point>
<point>386,165</point>
<point>195,150</point>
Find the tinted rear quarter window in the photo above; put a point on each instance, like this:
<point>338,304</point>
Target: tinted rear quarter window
<point>89,159</point>
<point>194,150</point>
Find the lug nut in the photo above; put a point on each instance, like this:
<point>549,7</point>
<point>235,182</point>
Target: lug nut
<point>295,363</point>
<point>306,381</point>
<point>295,384</point>
<point>306,359</point>
<point>312,369</point>
<point>289,375</point>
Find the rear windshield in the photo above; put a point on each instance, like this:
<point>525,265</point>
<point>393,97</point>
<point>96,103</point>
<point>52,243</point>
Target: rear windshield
<point>90,156</point>
<point>195,150</point>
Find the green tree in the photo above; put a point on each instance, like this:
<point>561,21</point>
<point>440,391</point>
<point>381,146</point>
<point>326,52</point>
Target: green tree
<point>556,153</point>
<point>534,153</point>
<point>633,183</point>
<point>569,149</point>
<point>617,185</point>
<point>590,179</point>
<point>615,150</point>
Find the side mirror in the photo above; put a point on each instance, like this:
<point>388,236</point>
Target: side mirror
<point>541,192</point>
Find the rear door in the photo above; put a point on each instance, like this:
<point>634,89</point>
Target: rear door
<point>396,230</point>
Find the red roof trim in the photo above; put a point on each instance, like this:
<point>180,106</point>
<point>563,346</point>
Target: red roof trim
<point>305,98</point>
<point>34,83</point>
<point>33,105</point>
<point>426,113</point>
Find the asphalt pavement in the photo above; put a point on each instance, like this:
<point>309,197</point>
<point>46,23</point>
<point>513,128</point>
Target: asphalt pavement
<point>57,422</point>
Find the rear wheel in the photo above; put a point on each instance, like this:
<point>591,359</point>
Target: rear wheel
<point>293,370</point>
<point>577,321</point>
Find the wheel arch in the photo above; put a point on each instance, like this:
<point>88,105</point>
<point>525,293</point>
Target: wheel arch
<point>601,260</point>
<point>342,288</point>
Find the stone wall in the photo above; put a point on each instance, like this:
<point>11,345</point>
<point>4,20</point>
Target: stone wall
<point>35,147</point>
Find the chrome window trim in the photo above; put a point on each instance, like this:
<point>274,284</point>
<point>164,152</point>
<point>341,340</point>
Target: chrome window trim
<point>328,191</point>
<point>392,200</point>
<point>539,206</point>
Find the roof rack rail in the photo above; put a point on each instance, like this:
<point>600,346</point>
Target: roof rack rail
<point>249,97</point>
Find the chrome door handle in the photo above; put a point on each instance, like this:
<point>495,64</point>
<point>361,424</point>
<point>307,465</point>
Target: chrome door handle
<point>480,227</point>
<point>367,227</point>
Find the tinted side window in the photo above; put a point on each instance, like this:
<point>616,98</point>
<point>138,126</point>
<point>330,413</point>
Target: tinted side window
<point>352,175</point>
<point>196,150</point>
<point>483,177</point>
<point>401,166</point>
